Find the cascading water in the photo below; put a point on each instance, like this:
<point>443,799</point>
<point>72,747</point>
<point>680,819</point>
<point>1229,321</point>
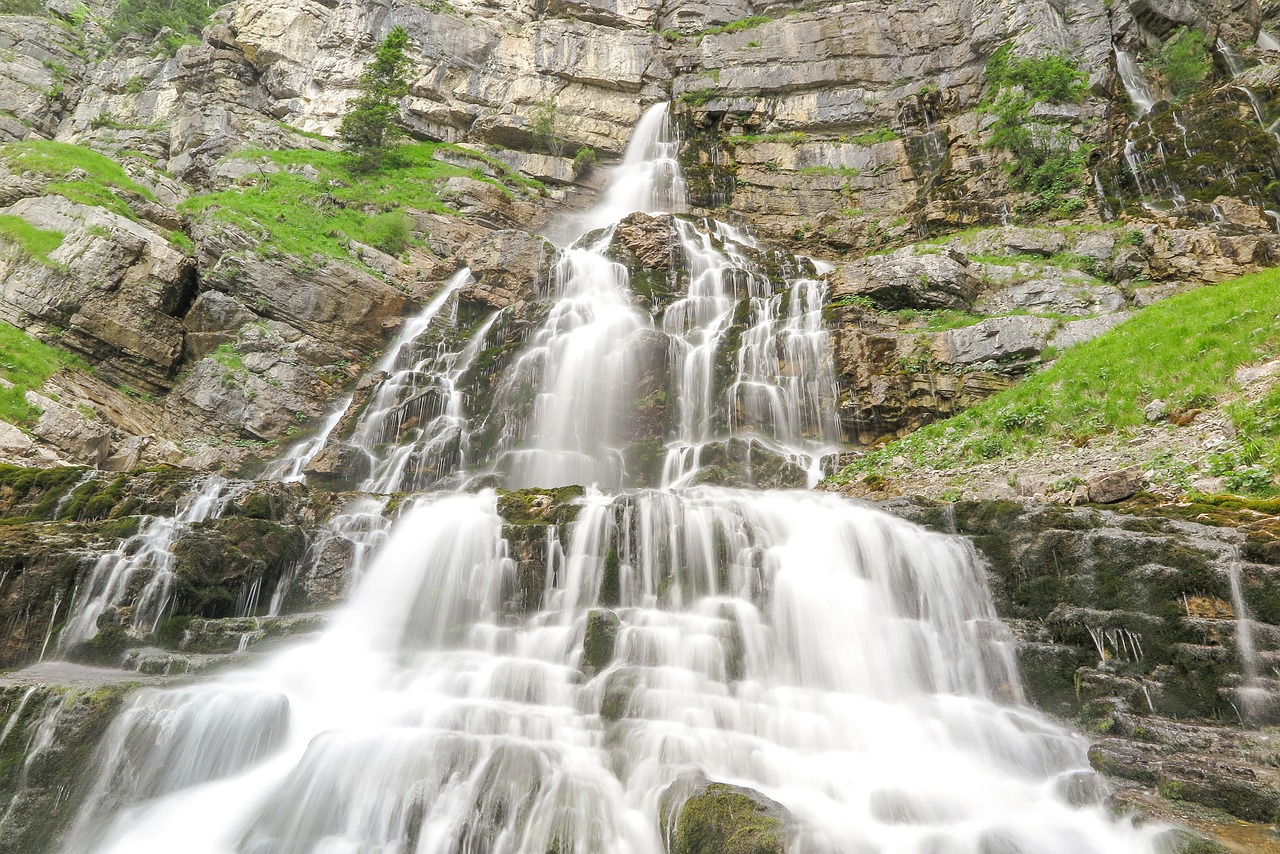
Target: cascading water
<point>140,569</point>
<point>840,661</point>
<point>1135,84</point>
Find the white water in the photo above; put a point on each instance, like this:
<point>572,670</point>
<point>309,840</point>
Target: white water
<point>1135,84</point>
<point>1251,693</point>
<point>1235,64</point>
<point>140,570</point>
<point>1267,41</point>
<point>843,662</point>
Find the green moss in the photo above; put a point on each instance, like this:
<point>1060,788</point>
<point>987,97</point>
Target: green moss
<point>724,820</point>
<point>611,580</point>
<point>556,506</point>
<point>599,640</point>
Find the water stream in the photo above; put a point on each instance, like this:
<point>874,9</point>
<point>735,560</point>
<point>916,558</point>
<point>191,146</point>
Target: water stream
<point>841,661</point>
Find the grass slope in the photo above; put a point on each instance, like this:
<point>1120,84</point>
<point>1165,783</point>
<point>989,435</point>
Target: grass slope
<point>315,204</point>
<point>103,183</point>
<point>26,363</point>
<point>1184,350</point>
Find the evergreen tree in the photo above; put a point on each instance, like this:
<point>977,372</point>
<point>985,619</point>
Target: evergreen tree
<point>371,124</point>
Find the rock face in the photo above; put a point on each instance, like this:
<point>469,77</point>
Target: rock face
<point>1126,623</point>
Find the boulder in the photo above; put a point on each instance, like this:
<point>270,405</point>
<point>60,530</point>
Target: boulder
<point>996,338</point>
<point>703,817</point>
<point>1115,486</point>
<point>67,430</point>
<point>599,640</point>
<point>907,280</point>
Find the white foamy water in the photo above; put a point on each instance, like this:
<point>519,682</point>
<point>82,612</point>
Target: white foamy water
<point>843,662</point>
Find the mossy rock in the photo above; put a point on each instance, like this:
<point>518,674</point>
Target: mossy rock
<point>43,790</point>
<point>599,640</point>
<point>717,818</point>
<point>557,506</point>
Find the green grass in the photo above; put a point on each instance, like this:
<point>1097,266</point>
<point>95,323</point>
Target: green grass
<point>106,183</point>
<point>34,242</point>
<point>26,363</point>
<point>306,217</point>
<point>1183,350</point>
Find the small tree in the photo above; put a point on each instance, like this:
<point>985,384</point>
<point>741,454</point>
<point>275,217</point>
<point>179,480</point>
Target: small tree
<point>372,122</point>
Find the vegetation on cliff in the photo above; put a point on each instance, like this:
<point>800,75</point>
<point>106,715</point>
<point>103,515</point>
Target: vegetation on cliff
<point>309,203</point>
<point>1183,351</point>
<point>371,125</point>
<point>25,364</point>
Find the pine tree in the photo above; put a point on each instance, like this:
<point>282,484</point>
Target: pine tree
<point>371,124</point>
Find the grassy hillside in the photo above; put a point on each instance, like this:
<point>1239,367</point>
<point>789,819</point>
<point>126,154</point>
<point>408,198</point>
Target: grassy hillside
<point>25,363</point>
<point>1184,351</point>
<point>313,203</point>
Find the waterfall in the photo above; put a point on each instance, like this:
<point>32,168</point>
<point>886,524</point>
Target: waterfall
<point>840,661</point>
<point>1267,41</point>
<point>1135,84</point>
<point>140,570</point>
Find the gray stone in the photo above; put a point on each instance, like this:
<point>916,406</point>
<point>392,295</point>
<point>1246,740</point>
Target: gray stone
<point>1115,486</point>
<point>996,338</point>
<point>1079,331</point>
<point>907,280</point>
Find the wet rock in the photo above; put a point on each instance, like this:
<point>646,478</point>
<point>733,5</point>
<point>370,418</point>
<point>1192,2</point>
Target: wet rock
<point>508,267</point>
<point>599,640</point>
<point>703,817</point>
<point>35,785</point>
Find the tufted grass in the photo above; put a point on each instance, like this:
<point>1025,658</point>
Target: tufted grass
<point>26,363</point>
<point>34,242</point>
<point>1184,350</point>
<point>315,205</point>
<point>105,183</point>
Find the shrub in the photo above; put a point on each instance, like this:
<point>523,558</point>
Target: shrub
<point>391,231</point>
<point>182,19</point>
<point>1184,61</point>
<point>1049,163</point>
<point>584,161</point>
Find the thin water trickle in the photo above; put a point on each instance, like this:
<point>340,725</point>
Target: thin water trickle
<point>1267,41</point>
<point>842,662</point>
<point>1135,83</point>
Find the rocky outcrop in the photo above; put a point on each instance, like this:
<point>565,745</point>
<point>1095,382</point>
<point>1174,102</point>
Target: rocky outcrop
<point>1126,623</point>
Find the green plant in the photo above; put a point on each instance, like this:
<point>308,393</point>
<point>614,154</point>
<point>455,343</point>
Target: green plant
<point>550,127</point>
<point>33,242</point>
<point>26,364</point>
<point>1184,61</point>
<point>22,7</point>
<point>391,231</point>
<point>1048,163</point>
<point>372,121</point>
<point>179,21</point>
<point>309,215</point>
<point>1184,350</point>
<point>584,161</point>
<point>104,183</point>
